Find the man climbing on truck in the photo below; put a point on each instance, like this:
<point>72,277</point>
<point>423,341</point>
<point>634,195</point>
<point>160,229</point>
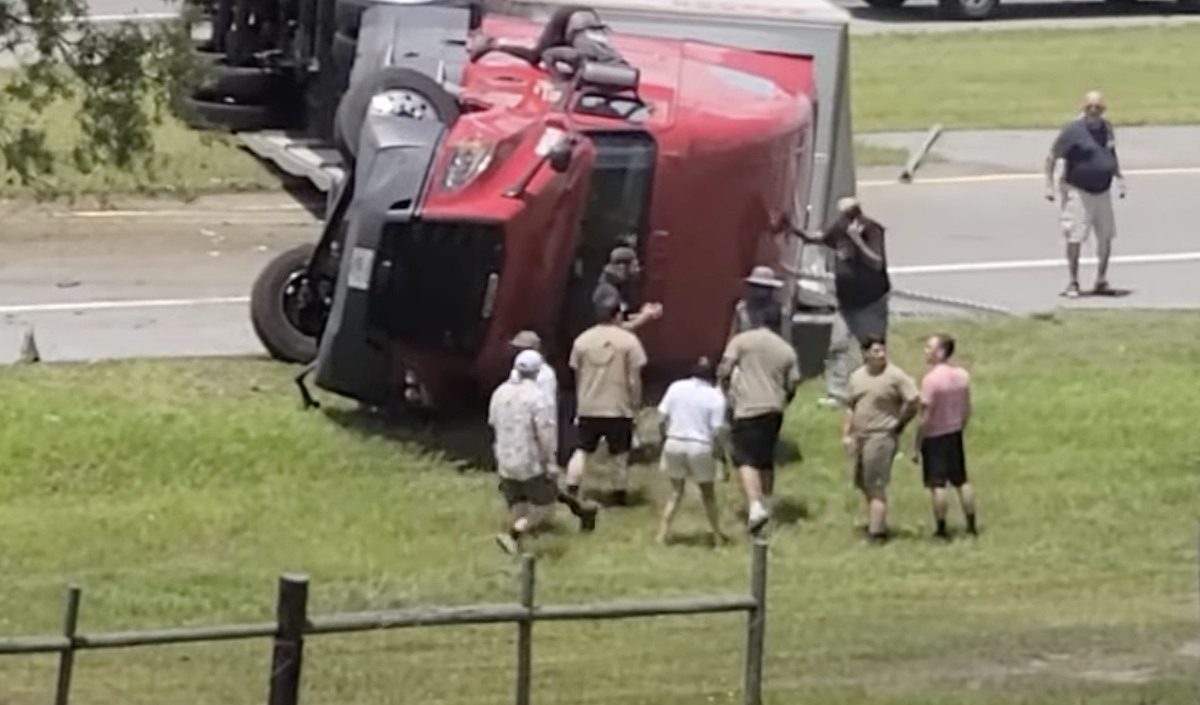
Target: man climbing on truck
<point>616,282</point>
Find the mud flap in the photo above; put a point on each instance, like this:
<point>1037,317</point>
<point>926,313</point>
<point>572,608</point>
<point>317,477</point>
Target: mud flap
<point>396,154</point>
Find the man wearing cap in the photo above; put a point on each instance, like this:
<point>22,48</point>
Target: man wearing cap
<point>862,288</point>
<point>547,382</point>
<point>524,441</point>
<point>608,360</point>
<point>622,270</point>
<point>761,372</point>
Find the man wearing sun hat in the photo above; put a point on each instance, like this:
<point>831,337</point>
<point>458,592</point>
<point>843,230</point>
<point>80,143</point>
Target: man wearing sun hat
<point>761,290</point>
<point>862,288</point>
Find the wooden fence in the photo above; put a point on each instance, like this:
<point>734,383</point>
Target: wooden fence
<point>292,624</point>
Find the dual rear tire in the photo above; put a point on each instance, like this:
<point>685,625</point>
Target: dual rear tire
<point>239,96</point>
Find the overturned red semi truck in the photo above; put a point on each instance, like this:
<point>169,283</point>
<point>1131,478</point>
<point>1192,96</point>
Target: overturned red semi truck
<point>477,198</point>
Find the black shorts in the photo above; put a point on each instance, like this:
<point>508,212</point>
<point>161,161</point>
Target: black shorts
<point>616,431</point>
<point>754,439</point>
<point>539,491</point>
<point>568,435</point>
<point>943,461</point>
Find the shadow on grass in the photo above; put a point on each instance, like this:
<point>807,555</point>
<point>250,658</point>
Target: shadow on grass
<point>693,539</point>
<point>785,511</point>
<point>464,440</point>
<point>635,497</point>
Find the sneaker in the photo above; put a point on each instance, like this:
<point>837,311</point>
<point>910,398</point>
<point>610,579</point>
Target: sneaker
<point>587,519</point>
<point>755,522</point>
<point>1102,288</point>
<point>831,402</point>
<point>508,543</point>
<point>1072,291</point>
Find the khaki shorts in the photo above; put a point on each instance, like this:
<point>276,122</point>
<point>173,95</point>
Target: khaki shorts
<point>873,464</point>
<point>689,460</point>
<point>1082,213</point>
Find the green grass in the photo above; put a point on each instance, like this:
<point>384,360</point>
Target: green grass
<point>176,492</point>
<point>187,163</point>
<point>1022,79</point>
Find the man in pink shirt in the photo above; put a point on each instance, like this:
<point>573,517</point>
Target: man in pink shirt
<point>945,411</point>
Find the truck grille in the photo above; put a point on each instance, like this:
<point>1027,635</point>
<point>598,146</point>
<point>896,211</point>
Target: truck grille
<point>439,279</point>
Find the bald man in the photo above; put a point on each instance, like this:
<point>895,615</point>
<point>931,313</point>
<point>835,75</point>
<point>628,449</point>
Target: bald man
<point>1080,171</point>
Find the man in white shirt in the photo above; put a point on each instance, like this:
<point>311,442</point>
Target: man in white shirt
<point>524,440</point>
<point>547,382</point>
<point>694,413</point>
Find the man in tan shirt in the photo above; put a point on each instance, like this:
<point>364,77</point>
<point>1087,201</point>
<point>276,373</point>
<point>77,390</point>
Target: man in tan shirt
<point>761,372</point>
<point>608,362</point>
<point>883,399</point>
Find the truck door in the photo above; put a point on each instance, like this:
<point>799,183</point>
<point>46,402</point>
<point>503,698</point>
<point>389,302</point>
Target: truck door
<point>617,213</point>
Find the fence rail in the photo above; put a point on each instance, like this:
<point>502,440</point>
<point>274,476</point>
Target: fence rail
<point>292,624</point>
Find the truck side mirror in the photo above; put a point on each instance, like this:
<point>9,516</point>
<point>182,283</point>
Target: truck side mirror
<point>560,156</point>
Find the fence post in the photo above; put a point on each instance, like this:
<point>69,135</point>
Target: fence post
<point>291,616</point>
<point>66,659</point>
<point>756,625</point>
<point>525,630</point>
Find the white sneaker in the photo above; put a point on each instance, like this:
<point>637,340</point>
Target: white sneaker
<point>830,402</point>
<point>757,519</point>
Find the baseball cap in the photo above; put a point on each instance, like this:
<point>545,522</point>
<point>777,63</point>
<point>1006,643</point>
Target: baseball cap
<point>526,339</point>
<point>528,362</point>
<point>622,255</point>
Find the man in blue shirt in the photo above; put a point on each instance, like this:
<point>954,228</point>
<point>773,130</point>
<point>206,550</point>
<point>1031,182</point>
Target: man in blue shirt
<point>1080,171</point>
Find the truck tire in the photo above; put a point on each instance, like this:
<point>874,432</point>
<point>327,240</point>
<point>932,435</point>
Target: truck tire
<point>207,112</point>
<point>248,85</point>
<point>419,92</point>
<point>275,328</point>
<point>972,10</point>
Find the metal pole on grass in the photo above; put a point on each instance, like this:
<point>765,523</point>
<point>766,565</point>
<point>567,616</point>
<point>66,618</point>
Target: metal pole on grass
<point>525,630</point>
<point>291,617</point>
<point>66,659</point>
<point>756,625</point>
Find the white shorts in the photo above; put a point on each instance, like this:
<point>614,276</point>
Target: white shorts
<point>688,460</point>
<point>1081,213</point>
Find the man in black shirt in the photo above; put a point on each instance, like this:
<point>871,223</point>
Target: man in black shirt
<point>1080,171</point>
<point>617,281</point>
<point>861,286</point>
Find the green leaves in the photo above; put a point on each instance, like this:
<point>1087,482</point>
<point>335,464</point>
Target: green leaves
<point>120,77</point>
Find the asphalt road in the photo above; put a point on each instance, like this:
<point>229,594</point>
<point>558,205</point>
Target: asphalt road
<point>975,228</point>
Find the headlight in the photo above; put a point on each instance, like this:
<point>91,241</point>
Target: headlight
<point>468,159</point>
